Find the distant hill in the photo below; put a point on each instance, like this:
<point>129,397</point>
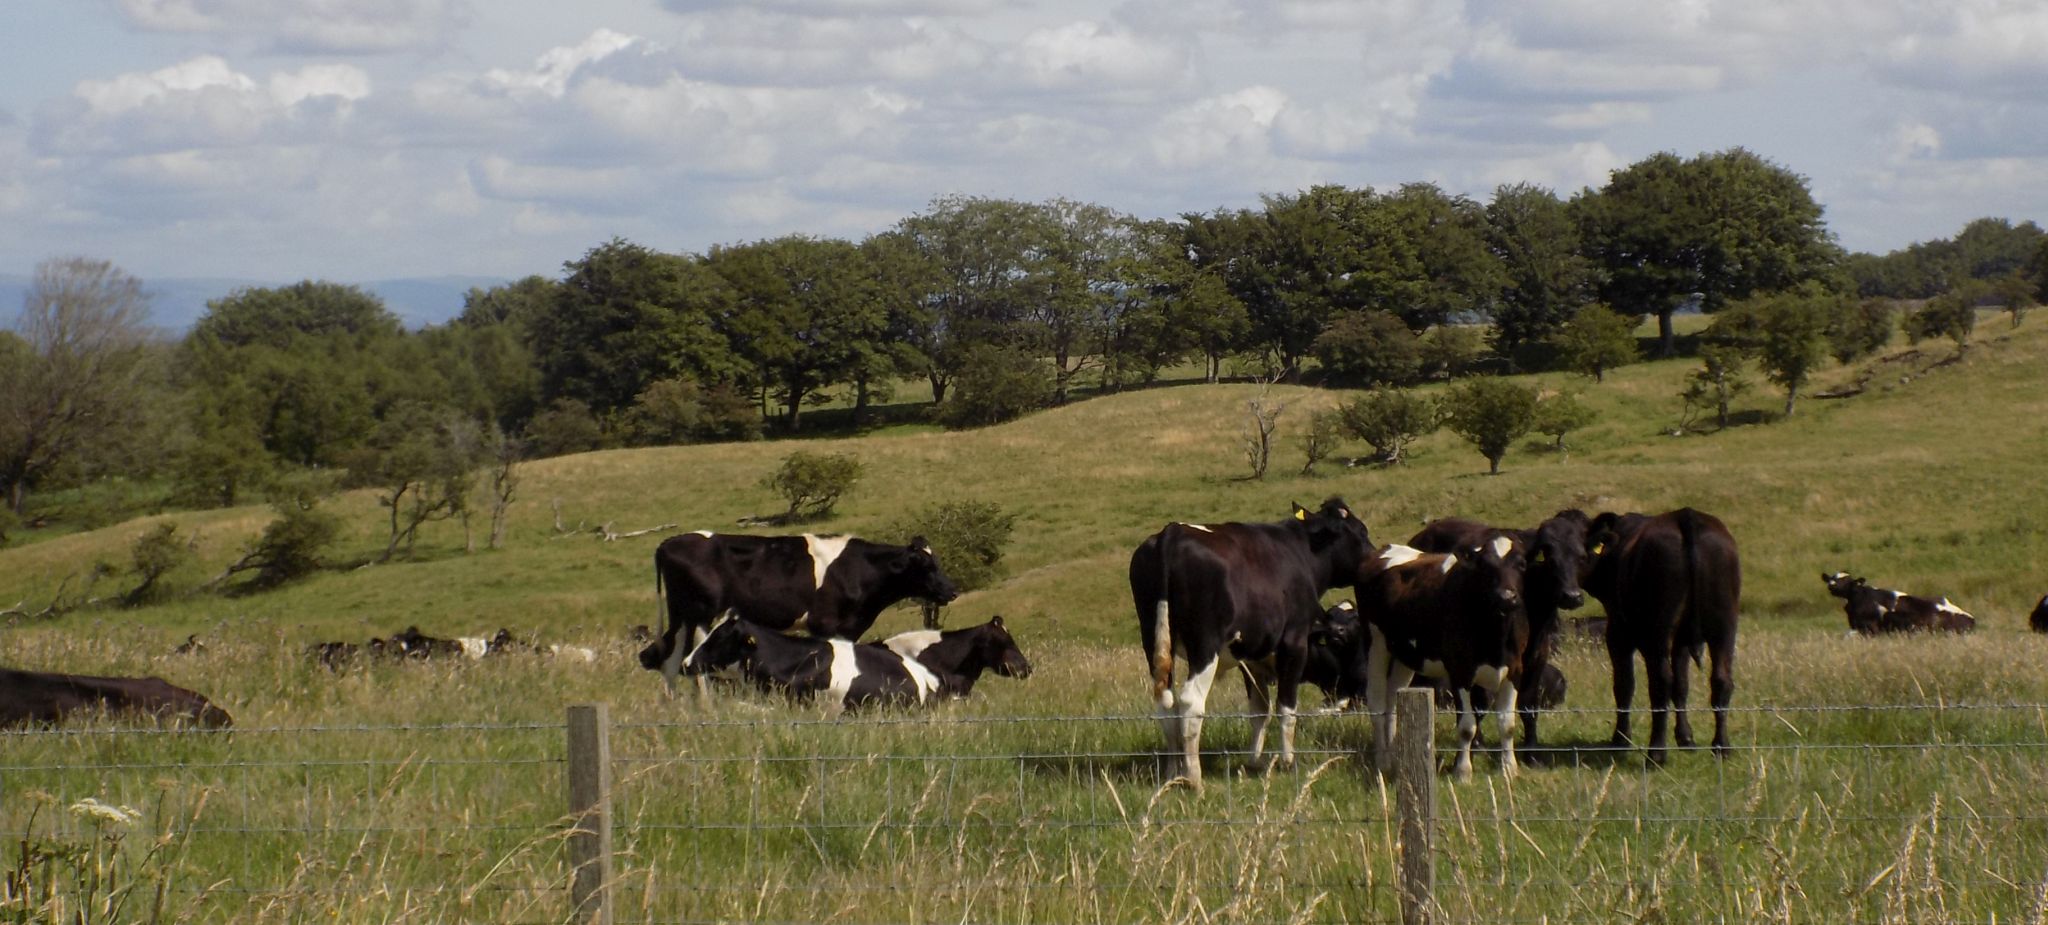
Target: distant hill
<point>178,302</point>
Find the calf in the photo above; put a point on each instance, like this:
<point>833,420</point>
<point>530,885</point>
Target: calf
<point>1877,611</point>
<point>850,675</point>
<point>1458,617</point>
<point>831,586</point>
<point>1672,586</point>
<point>958,657</point>
<point>1556,563</point>
<point>1251,592</point>
<point>31,697</point>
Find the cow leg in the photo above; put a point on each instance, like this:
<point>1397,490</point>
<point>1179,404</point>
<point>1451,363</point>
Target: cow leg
<point>1721,690</point>
<point>1504,698</point>
<point>1255,694</point>
<point>672,666</point>
<point>1379,664</point>
<point>1289,683</point>
<point>1657,670</point>
<point>1194,702</point>
<point>1468,729</point>
<point>1623,658</point>
<point>1681,687</point>
<point>1532,674</point>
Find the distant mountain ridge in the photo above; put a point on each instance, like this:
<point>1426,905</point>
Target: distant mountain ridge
<point>177,302</point>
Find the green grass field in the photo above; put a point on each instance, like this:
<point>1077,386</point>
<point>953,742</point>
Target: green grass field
<point>1895,780</point>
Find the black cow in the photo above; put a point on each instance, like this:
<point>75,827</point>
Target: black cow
<point>1249,591</point>
<point>1877,611</point>
<point>1456,616</point>
<point>849,675</point>
<point>831,586</point>
<point>1672,586</point>
<point>339,655</point>
<point>2038,620</point>
<point>414,644</point>
<point>31,697</point>
<point>959,656</point>
<point>1556,557</point>
<point>1339,647</point>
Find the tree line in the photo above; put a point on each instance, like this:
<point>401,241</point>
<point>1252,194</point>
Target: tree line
<point>996,306</point>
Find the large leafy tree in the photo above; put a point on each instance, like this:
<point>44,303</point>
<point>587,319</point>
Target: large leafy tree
<point>1429,252</point>
<point>1547,278</point>
<point>1293,265</point>
<point>73,376</point>
<point>625,316</point>
<point>977,251</point>
<point>1786,331</point>
<point>1072,253</point>
<point>804,310</point>
<point>1714,228</point>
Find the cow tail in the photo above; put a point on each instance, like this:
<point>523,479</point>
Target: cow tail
<point>1695,634</point>
<point>1162,627</point>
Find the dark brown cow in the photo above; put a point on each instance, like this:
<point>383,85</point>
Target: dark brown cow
<point>2038,620</point>
<point>1457,617</point>
<point>1556,556</point>
<point>1878,611</point>
<point>1672,586</point>
<point>1251,592</point>
<point>30,697</point>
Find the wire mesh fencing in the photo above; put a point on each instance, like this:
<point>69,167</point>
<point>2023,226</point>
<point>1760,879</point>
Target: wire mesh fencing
<point>1915,813</point>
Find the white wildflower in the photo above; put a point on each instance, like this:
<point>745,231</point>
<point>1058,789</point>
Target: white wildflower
<point>105,812</point>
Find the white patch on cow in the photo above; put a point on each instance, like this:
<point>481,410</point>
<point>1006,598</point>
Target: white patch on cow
<point>1947,607</point>
<point>703,533</point>
<point>1346,605</point>
<point>1198,527</point>
<point>1488,676</point>
<point>927,683</point>
<point>911,643</point>
<point>474,647</point>
<point>1502,545</point>
<point>574,653</point>
<point>1398,555</point>
<point>844,670</point>
<point>824,550</point>
<point>1431,668</point>
<point>1450,562</point>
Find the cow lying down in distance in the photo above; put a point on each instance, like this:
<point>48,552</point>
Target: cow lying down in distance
<point>1874,611</point>
<point>32,697</point>
<point>848,675</point>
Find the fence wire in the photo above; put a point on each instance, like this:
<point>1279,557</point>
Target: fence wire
<point>1822,812</point>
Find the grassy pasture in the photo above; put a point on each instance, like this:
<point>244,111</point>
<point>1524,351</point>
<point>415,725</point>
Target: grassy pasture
<point>1897,780</point>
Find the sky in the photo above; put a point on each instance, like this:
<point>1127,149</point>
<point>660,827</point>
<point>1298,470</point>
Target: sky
<point>363,139</point>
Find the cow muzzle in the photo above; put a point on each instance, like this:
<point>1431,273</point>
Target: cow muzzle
<point>652,656</point>
<point>1571,600</point>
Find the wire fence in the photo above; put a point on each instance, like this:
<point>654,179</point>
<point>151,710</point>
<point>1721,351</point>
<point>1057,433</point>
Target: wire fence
<point>1914,813</point>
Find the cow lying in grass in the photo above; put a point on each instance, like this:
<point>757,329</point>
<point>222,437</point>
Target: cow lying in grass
<point>31,697</point>
<point>847,675</point>
<point>416,645</point>
<point>1878,611</point>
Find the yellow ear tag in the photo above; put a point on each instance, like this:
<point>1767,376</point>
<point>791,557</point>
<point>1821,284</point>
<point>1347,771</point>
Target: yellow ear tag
<point>1538,557</point>
<point>1599,548</point>
<point>1300,514</point>
<point>751,641</point>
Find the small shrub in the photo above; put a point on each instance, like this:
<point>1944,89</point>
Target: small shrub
<point>1952,315</point>
<point>1390,420</point>
<point>994,386</point>
<point>292,546</point>
<point>1368,348</point>
<point>728,415</point>
<point>155,554</point>
<point>813,483</point>
<point>967,536</point>
<point>1325,431</point>
<point>567,426</point>
<point>1717,383</point>
<point>1490,414</point>
<point>1560,414</point>
<point>1262,418</point>
<point>1860,328</point>
<point>666,412</point>
<point>1595,341</point>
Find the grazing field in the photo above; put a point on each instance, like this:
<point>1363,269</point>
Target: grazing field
<point>1889,780</point>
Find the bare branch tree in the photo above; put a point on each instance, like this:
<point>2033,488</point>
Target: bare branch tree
<point>1262,418</point>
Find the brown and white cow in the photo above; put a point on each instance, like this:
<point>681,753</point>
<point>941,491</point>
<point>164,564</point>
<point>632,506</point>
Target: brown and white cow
<point>1878,611</point>
<point>1456,617</point>
<point>1672,586</point>
<point>1248,592</point>
<point>832,586</point>
<point>30,697</point>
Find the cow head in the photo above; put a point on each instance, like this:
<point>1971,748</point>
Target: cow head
<point>915,571</point>
<point>1558,558</point>
<point>1840,584</point>
<point>730,643</point>
<point>1337,538</point>
<point>999,650</point>
<point>1497,566</point>
<point>1336,654</point>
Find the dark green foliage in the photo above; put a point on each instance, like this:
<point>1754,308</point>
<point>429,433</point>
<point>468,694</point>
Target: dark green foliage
<point>1859,328</point>
<point>994,386</point>
<point>1325,431</point>
<point>514,304</point>
<point>1559,414</point>
<point>806,311</point>
<point>667,412</point>
<point>422,459</point>
<point>292,546</point>
<point>813,483</point>
<point>1952,315</point>
<point>154,555</point>
<point>967,536</point>
<point>1390,420</point>
<point>1787,333</point>
<point>1491,414</point>
<point>1548,279</point>
<point>1449,350</point>
<point>1986,248</point>
<point>1595,341</point>
<point>565,427</point>
<point>1717,382</point>
<point>625,316</point>
<point>280,317</point>
<point>1368,348</point>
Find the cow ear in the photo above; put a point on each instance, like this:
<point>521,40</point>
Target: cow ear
<point>752,641</point>
<point>1300,513</point>
<point>996,621</point>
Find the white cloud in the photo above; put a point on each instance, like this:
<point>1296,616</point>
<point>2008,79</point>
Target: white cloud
<point>1090,57</point>
<point>201,103</point>
<point>1211,131</point>
<point>344,26</point>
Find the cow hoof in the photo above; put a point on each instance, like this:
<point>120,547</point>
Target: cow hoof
<point>1656,758</point>
<point>1620,741</point>
<point>1258,766</point>
<point>1720,749</point>
<point>1461,773</point>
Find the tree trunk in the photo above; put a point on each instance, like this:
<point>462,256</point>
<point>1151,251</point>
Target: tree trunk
<point>796,404</point>
<point>1215,370</point>
<point>1667,344</point>
<point>1791,395</point>
<point>1492,465</point>
<point>939,383</point>
<point>860,400</point>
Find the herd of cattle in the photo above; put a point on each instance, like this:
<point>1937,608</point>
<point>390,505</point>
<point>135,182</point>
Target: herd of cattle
<point>1469,607</point>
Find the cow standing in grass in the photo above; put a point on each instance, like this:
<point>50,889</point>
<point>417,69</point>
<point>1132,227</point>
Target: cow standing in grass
<point>1672,586</point>
<point>1250,592</point>
<point>833,587</point>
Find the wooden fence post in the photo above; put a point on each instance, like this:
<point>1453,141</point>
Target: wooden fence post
<point>1414,748</point>
<point>590,812</point>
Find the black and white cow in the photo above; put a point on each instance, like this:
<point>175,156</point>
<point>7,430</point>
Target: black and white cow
<point>828,585</point>
<point>1250,592</point>
<point>960,656</point>
<point>1458,617</point>
<point>1556,563</point>
<point>1877,611</point>
<point>847,675</point>
<point>2038,620</point>
<point>1672,586</point>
